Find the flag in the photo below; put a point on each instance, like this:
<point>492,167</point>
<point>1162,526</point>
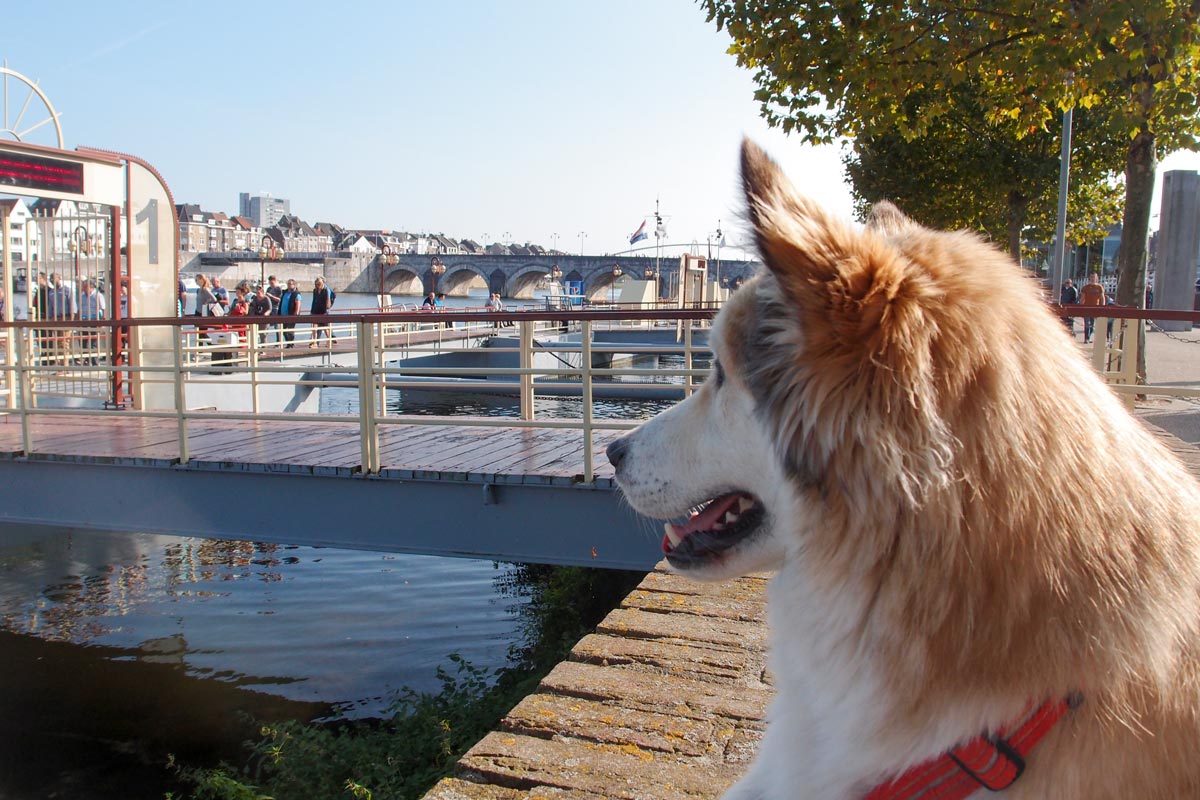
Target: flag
<point>639,234</point>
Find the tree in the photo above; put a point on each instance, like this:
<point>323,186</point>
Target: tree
<point>836,68</point>
<point>967,172</point>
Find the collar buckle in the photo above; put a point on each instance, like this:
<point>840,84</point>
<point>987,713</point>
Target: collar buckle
<point>991,762</point>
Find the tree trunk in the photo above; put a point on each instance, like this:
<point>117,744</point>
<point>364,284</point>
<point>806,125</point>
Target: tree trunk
<point>1017,206</point>
<point>1135,228</point>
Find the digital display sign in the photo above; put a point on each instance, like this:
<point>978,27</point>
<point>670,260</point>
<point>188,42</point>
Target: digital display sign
<point>39,173</point>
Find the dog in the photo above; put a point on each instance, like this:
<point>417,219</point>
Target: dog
<point>890,421</point>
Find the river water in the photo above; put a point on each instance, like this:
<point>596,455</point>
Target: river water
<point>116,648</point>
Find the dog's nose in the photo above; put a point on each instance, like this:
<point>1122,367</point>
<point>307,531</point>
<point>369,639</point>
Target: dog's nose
<point>616,451</point>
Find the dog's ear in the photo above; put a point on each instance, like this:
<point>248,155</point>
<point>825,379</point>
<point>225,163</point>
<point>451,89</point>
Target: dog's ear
<point>888,219</point>
<point>822,263</point>
<point>796,237</point>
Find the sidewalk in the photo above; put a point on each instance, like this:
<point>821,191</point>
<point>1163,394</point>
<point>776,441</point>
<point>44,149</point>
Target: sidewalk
<point>1171,358</point>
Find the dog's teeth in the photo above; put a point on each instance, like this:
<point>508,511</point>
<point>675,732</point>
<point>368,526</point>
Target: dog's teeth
<point>731,517</point>
<point>745,504</point>
<point>717,527</point>
<point>672,534</point>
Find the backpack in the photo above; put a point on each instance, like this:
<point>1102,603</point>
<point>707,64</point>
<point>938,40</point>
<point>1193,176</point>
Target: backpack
<point>332,296</point>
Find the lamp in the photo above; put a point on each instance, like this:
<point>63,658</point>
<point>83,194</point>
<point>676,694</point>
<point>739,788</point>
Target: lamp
<point>267,251</point>
<point>80,243</point>
<point>386,259</point>
<point>437,268</point>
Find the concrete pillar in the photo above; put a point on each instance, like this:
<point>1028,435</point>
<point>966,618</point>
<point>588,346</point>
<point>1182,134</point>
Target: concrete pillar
<point>1178,245</point>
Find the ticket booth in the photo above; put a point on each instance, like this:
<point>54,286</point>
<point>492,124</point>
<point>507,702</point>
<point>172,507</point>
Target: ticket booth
<point>101,218</point>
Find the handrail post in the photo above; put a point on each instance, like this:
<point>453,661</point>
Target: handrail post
<point>1100,345</point>
<point>13,377</point>
<point>180,397</point>
<point>526,370</point>
<point>24,357</point>
<point>380,361</point>
<point>586,364</point>
<point>687,357</point>
<point>368,429</point>
<point>252,354</point>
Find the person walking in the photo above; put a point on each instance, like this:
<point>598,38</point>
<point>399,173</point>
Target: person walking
<point>60,305</point>
<point>275,292</point>
<point>91,306</point>
<point>260,306</point>
<point>322,301</point>
<point>221,293</point>
<point>289,306</point>
<point>206,306</point>
<point>1069,296</point>
<point>1092,294</point>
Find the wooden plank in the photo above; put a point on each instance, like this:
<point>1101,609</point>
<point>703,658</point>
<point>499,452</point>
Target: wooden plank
<point>428,452</point>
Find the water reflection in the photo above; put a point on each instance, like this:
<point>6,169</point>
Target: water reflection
<point>306,623</point>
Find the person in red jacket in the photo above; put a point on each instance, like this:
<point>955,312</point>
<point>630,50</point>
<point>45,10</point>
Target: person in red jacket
<point>1092,294</point>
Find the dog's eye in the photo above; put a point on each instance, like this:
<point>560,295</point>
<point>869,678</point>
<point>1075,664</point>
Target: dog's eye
<point>718,373</point>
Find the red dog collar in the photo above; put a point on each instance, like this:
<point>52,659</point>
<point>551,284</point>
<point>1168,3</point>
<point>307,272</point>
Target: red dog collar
<point>986,762</point>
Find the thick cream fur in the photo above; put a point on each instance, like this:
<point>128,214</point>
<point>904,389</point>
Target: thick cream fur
<point>914,420</point>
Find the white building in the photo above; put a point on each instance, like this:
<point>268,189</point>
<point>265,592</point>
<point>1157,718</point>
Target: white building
<point>21,235</point>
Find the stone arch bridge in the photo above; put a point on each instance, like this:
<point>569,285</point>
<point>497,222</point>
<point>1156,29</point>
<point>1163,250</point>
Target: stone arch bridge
<point>516,277</point>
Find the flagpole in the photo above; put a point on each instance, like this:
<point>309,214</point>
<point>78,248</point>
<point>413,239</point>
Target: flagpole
<point>657,250</point>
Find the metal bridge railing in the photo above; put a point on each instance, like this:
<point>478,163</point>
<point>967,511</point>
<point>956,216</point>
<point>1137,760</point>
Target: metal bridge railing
<point>68,369</point>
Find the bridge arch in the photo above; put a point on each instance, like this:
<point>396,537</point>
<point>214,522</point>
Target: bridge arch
<point>458,277</point>
<point>521,282</point>
<point>599,285</point>
<point>402,281</point>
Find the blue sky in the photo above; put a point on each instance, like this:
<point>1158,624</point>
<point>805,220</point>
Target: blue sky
<point>466,117</point>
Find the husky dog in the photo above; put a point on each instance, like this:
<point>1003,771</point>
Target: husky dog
<point>895,425</point>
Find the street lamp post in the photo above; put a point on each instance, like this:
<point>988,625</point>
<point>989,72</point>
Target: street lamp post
<point>612,290</point>
<point>436,267</point>
<point>554,241</point>
<point>582,236</point>
<point>386,259</point>
<point>720,242</point>
<point>80,243</point>
<point>267,251</point>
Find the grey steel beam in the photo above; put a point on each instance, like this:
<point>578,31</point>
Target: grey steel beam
<point>576,525</point>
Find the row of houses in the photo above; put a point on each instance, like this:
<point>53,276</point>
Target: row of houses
<point>44,229</point>
<point>216,232</point>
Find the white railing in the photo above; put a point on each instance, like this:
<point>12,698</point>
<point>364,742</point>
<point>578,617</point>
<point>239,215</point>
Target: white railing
<point>145,368</point>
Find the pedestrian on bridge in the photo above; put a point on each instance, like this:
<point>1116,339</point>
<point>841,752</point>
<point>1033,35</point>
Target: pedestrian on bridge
<point>275,292</point>
<point>289,306</point>
<point>60,304</point>
<point>322,301</point>
<point>91,306</point>
<point>260,306</point>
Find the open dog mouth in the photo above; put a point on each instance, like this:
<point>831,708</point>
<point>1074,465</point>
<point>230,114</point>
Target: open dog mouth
<point>712,529</point>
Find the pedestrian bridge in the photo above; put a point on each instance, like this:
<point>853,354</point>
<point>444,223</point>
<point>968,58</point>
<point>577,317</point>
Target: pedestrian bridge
<point>157,425</point>
<point>521,487</point>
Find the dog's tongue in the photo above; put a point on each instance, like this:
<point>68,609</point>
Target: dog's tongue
<point>709,516</point>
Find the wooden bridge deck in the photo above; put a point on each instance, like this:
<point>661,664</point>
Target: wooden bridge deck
<point>503,455</point>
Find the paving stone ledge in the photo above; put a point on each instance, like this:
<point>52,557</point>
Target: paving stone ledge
<point>665,700</point>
